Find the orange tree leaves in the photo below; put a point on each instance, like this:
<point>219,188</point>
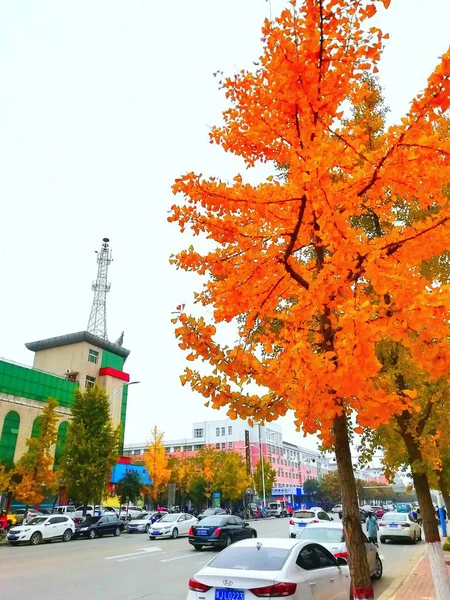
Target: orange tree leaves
<point>311,291</point>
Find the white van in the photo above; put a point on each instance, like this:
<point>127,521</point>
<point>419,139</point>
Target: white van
<point>69,511</point>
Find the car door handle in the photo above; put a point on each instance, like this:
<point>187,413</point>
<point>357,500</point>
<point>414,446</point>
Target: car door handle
<point>312,584</point>
<point>332,579</point>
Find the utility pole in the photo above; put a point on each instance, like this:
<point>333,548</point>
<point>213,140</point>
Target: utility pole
<point>100,287</point>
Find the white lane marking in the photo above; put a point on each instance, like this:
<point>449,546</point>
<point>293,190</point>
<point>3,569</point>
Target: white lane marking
<point>178,557</point>
<point>142,551</point>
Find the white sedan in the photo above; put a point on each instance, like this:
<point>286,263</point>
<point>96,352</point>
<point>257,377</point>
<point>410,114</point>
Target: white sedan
<point>45,527</point>
<point>399,526</point>
<point>302,518</point>
<point>272,568</point>
<point>331,536</point>
<point>172,525</point>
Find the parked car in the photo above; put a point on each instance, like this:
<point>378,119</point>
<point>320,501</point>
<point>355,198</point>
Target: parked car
<point>337,508</point>
<point>272,568</point>
<point>172,525</point>
<point>331,536</point>
<point>209,512</point>
<point>20,512</point>
<point>397,525</point>
<point>302,518</point>
<point>42,527</point>
<point>65,510</point>
<point>141,523</point>
<point>219,531</point>
<point>378,510</point>
<point>99,526</point>
<point>158,515</point>
<point>130,512</point>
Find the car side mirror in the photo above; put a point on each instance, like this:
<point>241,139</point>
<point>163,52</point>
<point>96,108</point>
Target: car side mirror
<point>47,524</point>
<point>245,524</point>
<point>341,561</point>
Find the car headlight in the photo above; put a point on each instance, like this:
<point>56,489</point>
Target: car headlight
<point>84,529</point>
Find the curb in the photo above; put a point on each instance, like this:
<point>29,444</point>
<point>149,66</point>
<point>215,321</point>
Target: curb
<point>398,582</point>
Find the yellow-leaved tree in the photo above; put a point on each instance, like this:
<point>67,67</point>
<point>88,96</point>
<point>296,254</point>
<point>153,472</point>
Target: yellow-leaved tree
<point>157,464</point>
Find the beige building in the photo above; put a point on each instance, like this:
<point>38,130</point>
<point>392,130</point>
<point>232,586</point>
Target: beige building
<point>61,366</point>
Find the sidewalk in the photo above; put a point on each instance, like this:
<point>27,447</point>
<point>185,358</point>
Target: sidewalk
<point>419,584</point>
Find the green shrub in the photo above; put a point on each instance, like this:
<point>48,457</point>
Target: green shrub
<point>446,546</point>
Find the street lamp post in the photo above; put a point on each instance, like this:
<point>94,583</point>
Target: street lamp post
<point>120,387</point>
<point>261,458</point>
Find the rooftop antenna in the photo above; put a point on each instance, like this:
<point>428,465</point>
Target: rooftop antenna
<point>100,287</point>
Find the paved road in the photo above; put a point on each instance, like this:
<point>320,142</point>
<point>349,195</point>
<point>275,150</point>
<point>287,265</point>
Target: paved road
<point>132,567</point>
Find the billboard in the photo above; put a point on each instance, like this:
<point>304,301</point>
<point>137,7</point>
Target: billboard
<point>120,470</point>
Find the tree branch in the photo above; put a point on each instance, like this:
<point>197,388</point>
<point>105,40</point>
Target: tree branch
<point>298,278</point>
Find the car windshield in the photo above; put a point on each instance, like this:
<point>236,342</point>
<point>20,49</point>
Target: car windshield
<point>37,521</point>
<point>303,514</point>
<point>141,516</point>
<point>395,517</point>
<point>89,521</point>
<point>213,521</point>
<point>251,559</point>
<point>208,511</point>
<point>324,535</point>
<point>169,518</point>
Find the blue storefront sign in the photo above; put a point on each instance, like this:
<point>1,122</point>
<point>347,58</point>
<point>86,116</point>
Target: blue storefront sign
<point>287,491</point>
<point>120,470</point>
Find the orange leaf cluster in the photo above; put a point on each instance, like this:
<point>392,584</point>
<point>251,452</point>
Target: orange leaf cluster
<point>312,290</point>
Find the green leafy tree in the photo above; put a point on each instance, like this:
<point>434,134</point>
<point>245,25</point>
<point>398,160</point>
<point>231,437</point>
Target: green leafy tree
<point>129,488</point>
<point>34,473</point>
<point>331,486</point>
<point>311,487</point>
<point>92,446</point>
<point>270,476</point>
<point>232,478</point>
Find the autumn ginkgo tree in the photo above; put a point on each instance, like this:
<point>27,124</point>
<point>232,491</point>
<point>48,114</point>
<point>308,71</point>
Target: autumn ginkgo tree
<point>290,264</point>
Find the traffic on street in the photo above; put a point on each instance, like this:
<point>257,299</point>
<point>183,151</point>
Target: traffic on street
<point>131,565</point>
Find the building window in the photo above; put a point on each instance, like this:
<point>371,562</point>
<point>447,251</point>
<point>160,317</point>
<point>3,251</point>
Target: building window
<point>230,429</point>
<point>198,447</point>
<point>223,445</point>
<point>218,446</point>
<point>223,430</point>
<point>198,433</point>
<point>93,356</point>
<point>230,445</point>
<point>90,382</point>
<point>137,452</point>
<point>8,439</point>
<point>188,448</point>
<point>217,431</point>
<point>177,449</point>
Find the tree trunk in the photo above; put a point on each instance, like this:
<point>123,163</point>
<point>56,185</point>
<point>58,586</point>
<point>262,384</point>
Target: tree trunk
<point>439,572</point>
<point>25,514</point>
<point>441,577</point>
<point>362,588</point>
<point>445,493</point>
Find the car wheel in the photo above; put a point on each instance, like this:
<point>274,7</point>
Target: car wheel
<point>174,533</point>
<point>117,531</point>
<point>378,568</point>
<point>147,528</point>
<point>414,540</point>
<point>91,534</point>
<point>197,546</point>
<point>36,538</point>
<point>228,541</point>
<point>420,536</point>
<point>382,540</point>
<point>254,534</point>
<point>152,537</point>
<point>67,536</point>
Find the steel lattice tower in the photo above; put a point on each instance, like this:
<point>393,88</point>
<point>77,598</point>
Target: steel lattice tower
<point>100,287</point>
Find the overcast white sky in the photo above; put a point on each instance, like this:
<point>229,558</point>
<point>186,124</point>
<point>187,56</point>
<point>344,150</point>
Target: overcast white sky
<point>102,104</point>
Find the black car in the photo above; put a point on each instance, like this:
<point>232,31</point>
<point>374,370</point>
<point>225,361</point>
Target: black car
<point>362,514</point>
<point>219,531</point>
<point>98,526</point>
<point>210,512</point>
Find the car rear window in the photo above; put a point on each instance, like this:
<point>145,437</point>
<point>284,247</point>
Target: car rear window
<point>395,517</point>
<point>251,558</point>
<point>304,514</point>
<point>322,534</point>
<point>218,520</point>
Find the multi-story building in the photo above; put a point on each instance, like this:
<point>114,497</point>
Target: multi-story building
<point>61,365</point>
<point>293,464</point>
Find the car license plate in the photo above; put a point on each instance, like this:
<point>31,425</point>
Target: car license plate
<point>229,594</point>
<point>202,532</point>
<point>132,528</point>
<point>13,537</point>
<point>301,524</point>
<point>393,525</point>
<point>156,532</point>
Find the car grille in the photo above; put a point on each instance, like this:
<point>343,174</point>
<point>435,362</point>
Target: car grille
<point>14,531</point>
